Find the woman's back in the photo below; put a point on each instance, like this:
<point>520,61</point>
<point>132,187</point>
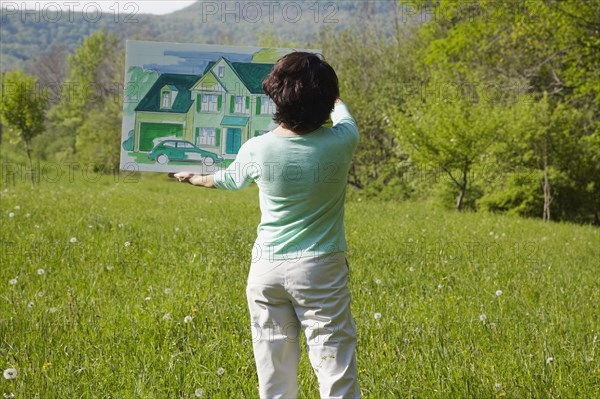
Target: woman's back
<point>302,181</point>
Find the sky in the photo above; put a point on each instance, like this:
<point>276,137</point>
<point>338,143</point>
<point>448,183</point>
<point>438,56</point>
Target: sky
<point>157,7</point>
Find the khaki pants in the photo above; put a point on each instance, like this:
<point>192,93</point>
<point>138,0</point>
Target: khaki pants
<point>285,296</point>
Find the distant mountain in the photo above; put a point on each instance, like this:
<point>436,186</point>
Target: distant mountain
<point>27,34</point>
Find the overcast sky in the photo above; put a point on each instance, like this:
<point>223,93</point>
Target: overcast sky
<point>157,7</point>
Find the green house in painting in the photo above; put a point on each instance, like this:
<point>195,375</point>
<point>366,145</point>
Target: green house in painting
<point>216,111</point>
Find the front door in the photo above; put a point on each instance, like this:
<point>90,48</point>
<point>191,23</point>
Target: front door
<point>234,140</point>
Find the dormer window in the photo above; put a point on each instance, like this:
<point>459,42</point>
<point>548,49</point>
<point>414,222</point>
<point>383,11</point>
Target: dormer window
<point>221,71</point>
<point>166,99</point>
<point>167,96</point>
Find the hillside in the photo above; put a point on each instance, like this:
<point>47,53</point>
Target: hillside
<point>25,35</point>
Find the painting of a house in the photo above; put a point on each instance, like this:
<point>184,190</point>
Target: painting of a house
<point>196,106</point>
<point>217,111</point>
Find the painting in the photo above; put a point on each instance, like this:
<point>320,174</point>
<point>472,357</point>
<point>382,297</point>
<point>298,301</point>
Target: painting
<point>190,107</point>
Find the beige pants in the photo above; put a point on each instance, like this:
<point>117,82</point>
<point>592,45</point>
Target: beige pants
<point>308,294</point>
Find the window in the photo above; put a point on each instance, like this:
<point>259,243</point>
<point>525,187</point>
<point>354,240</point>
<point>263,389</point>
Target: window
<point>183,144</point>
<point>210,103</point>
<point>168,144</point>
<point>240,105</point>
<point>166,100</point>
<point>267,106</point>
<point>206,136</point>
<point>221,71</point>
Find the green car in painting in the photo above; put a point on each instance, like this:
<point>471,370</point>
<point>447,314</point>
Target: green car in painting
<point>182,151</point>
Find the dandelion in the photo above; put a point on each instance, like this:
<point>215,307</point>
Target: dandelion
<point>11,215</point>
<point>167,316</point>
<point>90,226</point>
<point>37,226</point>
<point>410,239</point>
<point>221,371</point>
<point>377,316</point>
<point>46,366</point>
<point>17,207</point>
<point>10,374</point>
<point>499,292</point>
<point>199,392</point>
<point>452,140</point>
<point>120,225</point>
<point>73,240</point>
<point>53,310</point>
<point>188,319</point>
<point>482,317</point>
<point>168,291</point>
<point>440,286</point>
<point>492,325</point>
<point>549,360</point>
<point>491,233</point>
<point>40,294</point>
<point>147,299</point>
<point>12,281</point>
<point>40,272</point>
<point>30,305</point>
<point>176,229</point>
<point>378,282</point>
<point>27,215</point>
<point>127,243</point>
<point>109,267</point>
<point>497,385</point>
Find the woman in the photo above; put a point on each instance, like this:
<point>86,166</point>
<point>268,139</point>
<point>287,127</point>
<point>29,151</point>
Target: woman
<point>299,272</point>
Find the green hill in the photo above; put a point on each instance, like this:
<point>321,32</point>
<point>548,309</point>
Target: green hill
<point>25,35</point>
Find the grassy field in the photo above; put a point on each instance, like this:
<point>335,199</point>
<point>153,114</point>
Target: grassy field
<point>98,276</point>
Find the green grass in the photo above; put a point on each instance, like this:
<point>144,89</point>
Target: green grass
<point>93,324</point>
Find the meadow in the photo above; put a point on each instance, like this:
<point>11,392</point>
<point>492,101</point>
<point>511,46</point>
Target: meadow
<point>126,287</point>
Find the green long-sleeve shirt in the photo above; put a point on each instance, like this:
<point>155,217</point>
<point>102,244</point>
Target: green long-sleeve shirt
<point>302,187</point>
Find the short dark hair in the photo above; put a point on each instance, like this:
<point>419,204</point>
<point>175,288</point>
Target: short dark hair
<point>304,88</point>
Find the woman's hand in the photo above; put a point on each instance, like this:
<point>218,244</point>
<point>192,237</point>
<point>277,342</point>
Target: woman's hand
<point>183,176</point>
<point>194,179</point>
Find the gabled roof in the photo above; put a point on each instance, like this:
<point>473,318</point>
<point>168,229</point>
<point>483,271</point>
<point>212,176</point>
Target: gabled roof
<point>181,83</point>
<point>251,74</point>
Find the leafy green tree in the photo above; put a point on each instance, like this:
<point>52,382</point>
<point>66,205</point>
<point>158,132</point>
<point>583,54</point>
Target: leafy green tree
<point>23,109</point>
<point>546,52</point>
<point>88,110</point>
<point>449,132</point>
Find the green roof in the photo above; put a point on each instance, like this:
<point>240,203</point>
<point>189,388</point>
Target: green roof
<point>251,74</point>
<point>234,121</point>
<point>183,101</point>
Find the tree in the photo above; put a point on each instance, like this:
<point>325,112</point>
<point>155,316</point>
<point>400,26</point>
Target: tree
<point>23,109</point>
<point>449,131</point>
<point>545,52</point>
<point>89,110</point>
<point>51,69</point>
